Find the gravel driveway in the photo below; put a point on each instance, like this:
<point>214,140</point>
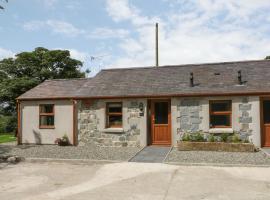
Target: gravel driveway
<point>213,157</point>
<point>70,152</point>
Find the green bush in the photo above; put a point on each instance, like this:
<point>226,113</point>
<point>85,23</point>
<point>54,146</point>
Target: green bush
<point>211,138</point>
<point>194,137</point>
<point>186,137</point>
<point>8,124</point>
<point>197,137</point>
<point>236,138</point>
<point>224,137</point>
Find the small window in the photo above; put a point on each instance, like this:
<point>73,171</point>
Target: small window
<point>46,116</point>
<point>220,114</point>
<point>114,115</point>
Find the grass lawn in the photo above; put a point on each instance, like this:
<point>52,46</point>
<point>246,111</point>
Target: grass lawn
<point>6,137</point>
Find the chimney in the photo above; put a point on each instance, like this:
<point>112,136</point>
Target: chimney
<point>156,44</point>
<point>191,80</point>
<point>240,82</point>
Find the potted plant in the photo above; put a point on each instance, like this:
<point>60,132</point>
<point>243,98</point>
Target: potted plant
<point>64,141</point>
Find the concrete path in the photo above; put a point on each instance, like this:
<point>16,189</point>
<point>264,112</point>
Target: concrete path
<point>266,150</point>
<point>129,180</point>
<point>151,154</point>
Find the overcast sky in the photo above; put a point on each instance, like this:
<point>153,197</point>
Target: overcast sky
<point>120,33</point>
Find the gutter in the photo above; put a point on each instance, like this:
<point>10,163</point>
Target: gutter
<point>148,96</point>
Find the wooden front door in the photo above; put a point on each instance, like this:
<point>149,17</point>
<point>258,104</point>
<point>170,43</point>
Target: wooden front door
<point>160,122</point>
<point>266,123</point>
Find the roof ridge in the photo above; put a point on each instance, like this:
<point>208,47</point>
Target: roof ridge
<point>186,65</point>
<point>67,79</point>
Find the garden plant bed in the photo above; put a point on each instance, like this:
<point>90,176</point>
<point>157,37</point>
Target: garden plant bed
<point>215,146</point>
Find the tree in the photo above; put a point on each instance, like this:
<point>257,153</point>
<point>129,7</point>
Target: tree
<point>28,69</point>
<point>267,58</point>
<point>1,7</point>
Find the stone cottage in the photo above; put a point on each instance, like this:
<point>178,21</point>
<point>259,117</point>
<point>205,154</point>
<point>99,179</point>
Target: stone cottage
<point>150,105</point>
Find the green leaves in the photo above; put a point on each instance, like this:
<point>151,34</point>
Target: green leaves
<point>28,69</point>
<point>1,7</point>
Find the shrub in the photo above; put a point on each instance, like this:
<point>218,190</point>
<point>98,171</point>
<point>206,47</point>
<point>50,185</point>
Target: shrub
<point>236,138</point>
<point>194,137</point>
<point>186,137</point>
<point>197,137</point>
<point>64,141</point>
<point>211,138</point>
<point>8,124</point>
<point>224,137</point>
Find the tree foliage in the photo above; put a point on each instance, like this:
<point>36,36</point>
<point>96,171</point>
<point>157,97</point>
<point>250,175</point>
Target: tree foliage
<point>267,58</point>
<point>28,69</point>
<point>1,7</point>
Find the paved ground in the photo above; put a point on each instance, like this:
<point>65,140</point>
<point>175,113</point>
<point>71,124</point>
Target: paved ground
<point>151,154</point>
<point>267,150</point>
<point>213,157</point>
<point>128,180</point>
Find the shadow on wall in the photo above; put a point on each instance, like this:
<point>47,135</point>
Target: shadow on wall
<point>38,138</point>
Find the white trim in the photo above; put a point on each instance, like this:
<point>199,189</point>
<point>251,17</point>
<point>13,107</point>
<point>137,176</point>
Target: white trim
<point>113,130</point>
<point>221,130</point>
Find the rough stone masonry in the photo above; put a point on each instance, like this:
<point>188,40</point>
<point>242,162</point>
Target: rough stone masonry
<point>89,132</point>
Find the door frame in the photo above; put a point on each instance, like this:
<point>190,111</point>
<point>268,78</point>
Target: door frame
<point>262,119</point>
<point>150,121</point>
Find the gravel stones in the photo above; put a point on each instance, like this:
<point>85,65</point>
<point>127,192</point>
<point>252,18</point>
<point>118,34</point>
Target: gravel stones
<point>213,157</point>
<point>10,159</point>
<point>70,152</point>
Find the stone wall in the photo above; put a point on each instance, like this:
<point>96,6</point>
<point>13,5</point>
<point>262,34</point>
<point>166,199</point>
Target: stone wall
<point>193,116</point>
<point>245,118</point>
<point>189,117</point>
<point>92,131</point>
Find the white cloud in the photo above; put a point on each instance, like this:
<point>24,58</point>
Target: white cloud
<point>56,26</point>
<point>195,31</point>
<point>79,55</point>
<point>64,28</point>
<point>33,25</point>
<point>5,53</point>
<point>49,3</point>
<point>68,29</point>
<point>121,10</point>
<point>105,33</point>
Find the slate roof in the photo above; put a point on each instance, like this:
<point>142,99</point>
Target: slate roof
<point>209,79</point>
<point>64,88</point>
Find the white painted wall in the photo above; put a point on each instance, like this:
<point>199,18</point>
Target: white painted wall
<point>30,122</point>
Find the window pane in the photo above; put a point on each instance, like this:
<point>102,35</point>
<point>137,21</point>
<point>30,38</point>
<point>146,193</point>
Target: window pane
<point>115,121</point>
<point>46,108</point>
<point>46,120</point>
<point>221,106</point>
<point>161,113</point>
<point>220,120</point>
<point>266,112</point>
<point>114,107</point>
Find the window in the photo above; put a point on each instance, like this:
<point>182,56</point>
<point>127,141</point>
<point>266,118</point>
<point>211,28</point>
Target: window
<point>114,115</point>
<point>220,114</point>
<point>46,116</point>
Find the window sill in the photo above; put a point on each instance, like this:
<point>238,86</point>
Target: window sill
<point>113,130</point>
<point>46,127</point>
<point>221,130</point>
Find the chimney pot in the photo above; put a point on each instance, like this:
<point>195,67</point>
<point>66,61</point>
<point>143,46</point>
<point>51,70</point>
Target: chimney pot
<point>191,79</point>
<point>240,82</point>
